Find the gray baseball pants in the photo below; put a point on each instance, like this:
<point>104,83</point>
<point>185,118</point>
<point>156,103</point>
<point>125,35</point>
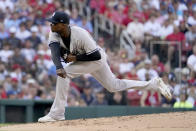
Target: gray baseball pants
<point>100,70</point>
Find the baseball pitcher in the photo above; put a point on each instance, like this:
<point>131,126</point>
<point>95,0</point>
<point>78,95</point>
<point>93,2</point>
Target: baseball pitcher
<point>74,44</point>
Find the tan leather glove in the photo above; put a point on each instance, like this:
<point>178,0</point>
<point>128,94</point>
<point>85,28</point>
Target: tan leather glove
<point>61,72</point>
<point>71,58</point>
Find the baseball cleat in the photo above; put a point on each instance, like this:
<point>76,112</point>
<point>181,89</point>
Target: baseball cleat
<point>163,89</point>
<point>48,119</point>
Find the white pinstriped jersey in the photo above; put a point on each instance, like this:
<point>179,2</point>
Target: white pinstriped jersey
<point>80,42</point>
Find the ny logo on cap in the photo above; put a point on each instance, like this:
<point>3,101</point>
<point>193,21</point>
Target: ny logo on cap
<point>53,14</point>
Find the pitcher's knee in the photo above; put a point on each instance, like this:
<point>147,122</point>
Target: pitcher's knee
<point>111,89</point>
<point>112,85</point>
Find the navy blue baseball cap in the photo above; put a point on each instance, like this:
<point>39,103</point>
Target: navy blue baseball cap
<point>59,17</point>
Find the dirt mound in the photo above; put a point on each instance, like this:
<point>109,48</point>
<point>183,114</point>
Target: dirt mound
<point>179,121</point>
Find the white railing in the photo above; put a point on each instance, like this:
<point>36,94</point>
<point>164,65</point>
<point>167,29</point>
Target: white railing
<point>127,44</point>
<point>104,24</point>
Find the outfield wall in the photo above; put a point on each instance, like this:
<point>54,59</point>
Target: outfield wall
<point>24,111</point>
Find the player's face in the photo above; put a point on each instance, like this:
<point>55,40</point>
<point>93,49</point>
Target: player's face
<point>60,28</point>
<point>55,27</point>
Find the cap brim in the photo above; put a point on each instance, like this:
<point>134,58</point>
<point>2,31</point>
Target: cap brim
<point>51,20</point>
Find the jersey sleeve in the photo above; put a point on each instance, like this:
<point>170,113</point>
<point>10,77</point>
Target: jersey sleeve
<point>89,43</point>
<point>53,38</point>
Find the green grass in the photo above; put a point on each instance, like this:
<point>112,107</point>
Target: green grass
<point>4,124</point>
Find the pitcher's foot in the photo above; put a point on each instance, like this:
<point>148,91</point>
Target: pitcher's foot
<point>163,89</point>
<point>47,118</point>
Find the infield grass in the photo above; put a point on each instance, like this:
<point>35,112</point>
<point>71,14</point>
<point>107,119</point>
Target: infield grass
<point>4,124</point>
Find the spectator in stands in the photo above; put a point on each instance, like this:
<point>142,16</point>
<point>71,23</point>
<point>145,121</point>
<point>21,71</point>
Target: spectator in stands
<point>32,89</point>
<point>160,19</point>
<point>185,76</point>
<point>192,19</point>
<point>42,62</point>
<point>175,36</point>
<point>51,96</point>
<point>125,66</point>
<point>147,70</point>
<point>150,98</point>
<point>6,4</point>
<point>146,10</point>
<point>156,64</point>
<point>1,44</point>
<point>178,8</point>
<point>84,23</point>
<point>151,27</point>
<point>12,95</point>
<point>34,38</point>
<point>174,18</point>
<point>40,95</point>
<point>183,26</point>
<point>154,4</point>
<point>3,72</point>
<point>136,12</point>
<point>72,101</point>
<point>117,98</point>
<point>191,62</point>
<point>136,29</point>
<point>140,53</point>
<point>12,21</point>
<point>3,33</point>
<point>27,87</point>
<point>117,17</point>
<point>166,29</point>
<point>101,43</point>
<point>133,96</point>
<point>28,52</point>
<point>18,58</point>
<point>128,19</point>
<point>74,18</point>
<point>191,36</point>
<point>183,103</point>
<point>97,5</point>
<point>3,94</point>
<point>191,94</point>
<point>100,99</point>
<point>177,88</point>
<point>22,33</point>
<point>6,53</point>
<point>12,39</point>
<point>47,7</point>
<point>17,72</point>
<point>7,83</point>
<point>168,70</point>
<point>29,23</point>
<point>43,31</point>
<point>87,94</point>
<point>41,65</point>
<point>15,87</point>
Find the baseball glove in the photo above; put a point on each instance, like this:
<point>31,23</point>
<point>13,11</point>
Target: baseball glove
<point>64,53</point>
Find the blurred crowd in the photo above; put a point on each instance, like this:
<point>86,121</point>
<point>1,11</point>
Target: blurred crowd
<point>27,71</point>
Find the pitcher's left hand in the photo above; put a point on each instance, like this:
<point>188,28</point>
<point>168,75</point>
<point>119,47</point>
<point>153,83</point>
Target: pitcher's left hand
<point>71,58</point>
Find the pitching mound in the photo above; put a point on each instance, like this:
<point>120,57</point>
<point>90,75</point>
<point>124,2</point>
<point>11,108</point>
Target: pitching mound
<point>180,121</point>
